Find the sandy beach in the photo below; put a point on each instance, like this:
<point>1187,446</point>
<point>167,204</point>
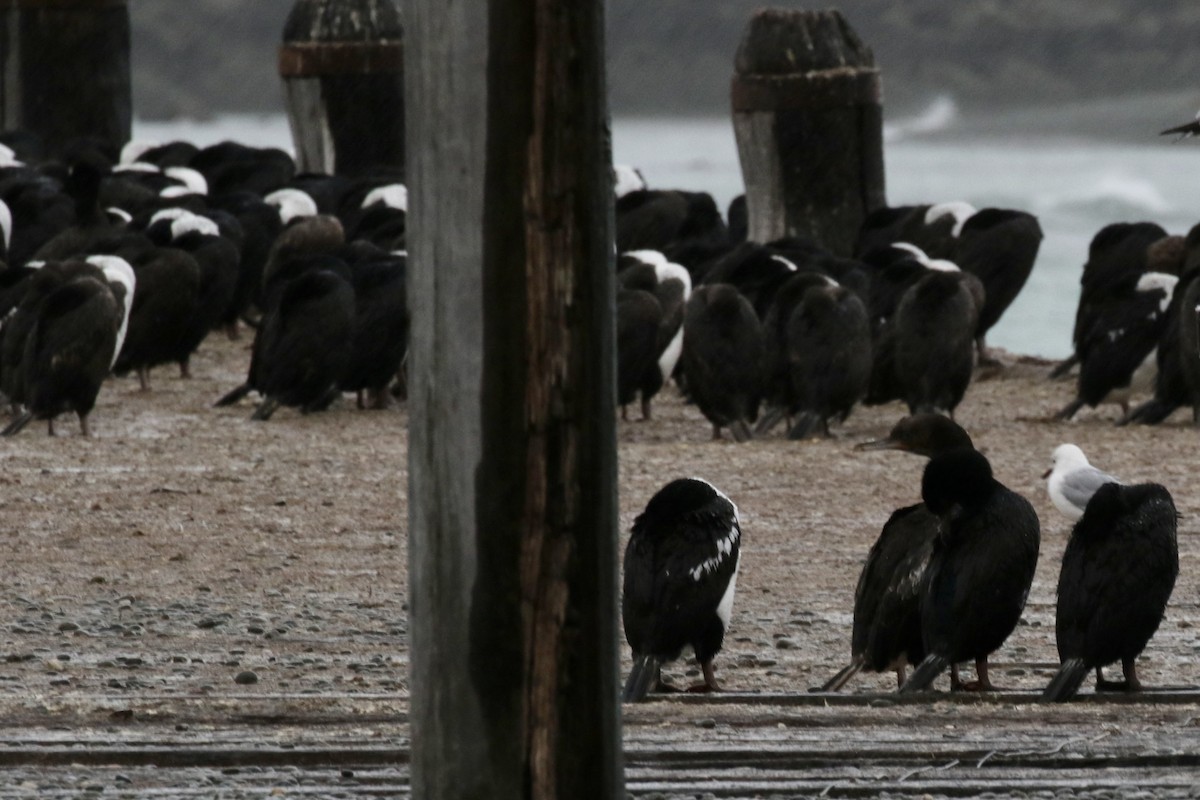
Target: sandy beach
<point>185,531</point>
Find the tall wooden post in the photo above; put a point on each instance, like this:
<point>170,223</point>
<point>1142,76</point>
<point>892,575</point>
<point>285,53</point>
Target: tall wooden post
<point>809,123</point>
<point>64,70</point>
<point>512,446</point>
<point>342,65</point>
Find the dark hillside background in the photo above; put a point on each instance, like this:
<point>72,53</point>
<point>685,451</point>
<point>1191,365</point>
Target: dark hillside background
<point>202,57</point>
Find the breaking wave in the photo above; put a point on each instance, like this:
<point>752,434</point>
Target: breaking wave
<point>1111,196</point>
<point>939,115</point>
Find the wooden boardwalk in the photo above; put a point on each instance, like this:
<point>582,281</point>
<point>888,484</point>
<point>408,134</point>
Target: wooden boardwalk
<point>729,746</point>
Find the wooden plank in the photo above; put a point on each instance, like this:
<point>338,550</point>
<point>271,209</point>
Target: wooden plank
<point>1165,695</point>
<point>722,750</point>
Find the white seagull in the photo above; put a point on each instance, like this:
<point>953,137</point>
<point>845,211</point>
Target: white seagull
<point>1073,480</point>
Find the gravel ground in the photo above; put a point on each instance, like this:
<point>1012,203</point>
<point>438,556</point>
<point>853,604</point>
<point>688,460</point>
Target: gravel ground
<point>184,548</point>
<point>188,558</point>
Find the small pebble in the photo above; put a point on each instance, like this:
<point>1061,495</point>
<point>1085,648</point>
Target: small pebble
<point>247,676</point>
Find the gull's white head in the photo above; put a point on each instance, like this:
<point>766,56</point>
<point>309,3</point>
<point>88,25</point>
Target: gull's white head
<point>1068,456</point>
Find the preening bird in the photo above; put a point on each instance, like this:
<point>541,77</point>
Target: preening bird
<point>779,388</point>
<point>304,346</point>
<point>887,610</point>
<point>1117,575</point>
<point>829,350</point>
<point>980,570</point>
<point>1117,256</point>
<point>1189,343</point>
<point>1171,387</point>
<point>1072,480</point>
<point>681,568</point>
<point>651,298</point>
<point>68,352</point>
<point>638,318</point>
<point>1000,247</point>
<point>1117,352</point>
<point>723,353</point>
<point>380,335</point>
<point>935,327</point>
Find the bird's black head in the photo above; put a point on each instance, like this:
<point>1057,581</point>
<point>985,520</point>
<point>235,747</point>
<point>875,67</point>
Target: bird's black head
<point>1110,502</point>
<point>924,434</point>
<point>956,481</point>
<point>638,276</point>
<point>678,498</point>
<point>1114,500</point>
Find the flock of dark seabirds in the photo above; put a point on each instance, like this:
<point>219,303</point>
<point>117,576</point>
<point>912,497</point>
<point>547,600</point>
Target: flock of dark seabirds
<point>117,260</point>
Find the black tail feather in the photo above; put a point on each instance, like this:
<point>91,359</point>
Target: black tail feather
<point>14,427</point>
<point>265,409</point>
<point>642,677</point>
<point>1070,410</point>
<point>234,396</point>
<point>741,431</point>
<point>1151,412</point>
<point>769,420</point>
<point>1066,681</point>
<point>847,672</point>
<point>1063,368</point>
<point>925,673</point>
<point>1183,131</point>
<point>807,426</point>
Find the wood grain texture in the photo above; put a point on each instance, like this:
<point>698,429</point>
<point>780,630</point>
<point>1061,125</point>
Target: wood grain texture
<point>64,71</point>
<point>515,680</point>
<point>341,63</point>
<point>807,113</point>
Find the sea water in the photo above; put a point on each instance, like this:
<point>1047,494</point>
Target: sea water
<point>1075,186</point>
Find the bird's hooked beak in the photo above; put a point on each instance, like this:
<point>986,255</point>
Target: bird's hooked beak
<point>881,444</point>
<point>1046,474</point>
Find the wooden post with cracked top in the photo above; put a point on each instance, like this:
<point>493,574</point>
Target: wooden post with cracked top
<point>342,66</point>
<point>808,118</point>
<point>64,71</point>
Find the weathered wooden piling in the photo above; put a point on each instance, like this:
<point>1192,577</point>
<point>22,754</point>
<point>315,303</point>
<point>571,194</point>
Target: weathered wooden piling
<point>809,123</point>
<point>512,448</point>
<point>64,70</point>
<point>342,66</point>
